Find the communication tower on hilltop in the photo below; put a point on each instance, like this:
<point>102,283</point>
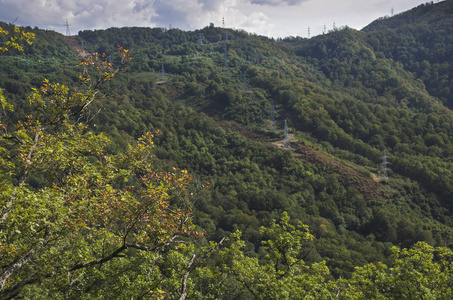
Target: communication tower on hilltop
<point>286,142</point>
<point>66,24</point>
<point>383,165</point>
<point>325,29</point>
<point>273,123</point>
<point>308,31</point>
<point>391,12</point>
<point>334,26</point>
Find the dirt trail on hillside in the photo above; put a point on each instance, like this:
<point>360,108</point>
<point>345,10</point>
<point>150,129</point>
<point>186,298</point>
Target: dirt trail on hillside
<point>368,186</point>
<point>76,46</point>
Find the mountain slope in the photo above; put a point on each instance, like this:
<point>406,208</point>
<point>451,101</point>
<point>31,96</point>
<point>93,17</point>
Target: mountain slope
<point>345,100</point>
<point>421,40</point>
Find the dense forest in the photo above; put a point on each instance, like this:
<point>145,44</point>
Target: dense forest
<point>155,163</point>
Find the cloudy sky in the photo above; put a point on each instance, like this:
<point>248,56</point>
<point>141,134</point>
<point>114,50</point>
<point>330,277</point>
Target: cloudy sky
<point>274,18</point>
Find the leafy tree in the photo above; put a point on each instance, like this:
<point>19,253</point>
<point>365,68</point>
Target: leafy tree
<point>16,39</point>
<point>282,274</point>
<point>422,272</point>
<point>73,216</point>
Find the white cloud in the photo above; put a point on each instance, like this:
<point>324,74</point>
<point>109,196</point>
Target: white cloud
<point>278,2</point>
<point>266,17</point>
<point>257,22</point>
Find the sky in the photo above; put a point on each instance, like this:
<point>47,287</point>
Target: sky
<point>272,18</point>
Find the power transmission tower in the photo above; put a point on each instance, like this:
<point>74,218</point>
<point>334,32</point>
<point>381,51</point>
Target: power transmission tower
<point>308,31</point>
<point>66,24</point>
<point>334,26</point>
<point>223,26</point>
<point>244,80</point>
<point>286,142</point>
<point>325,29</point>
<point>383,165</point>
<point>163,73</point>
<point>200,38</point>
<point>225,58</point>
<point>273,124</point>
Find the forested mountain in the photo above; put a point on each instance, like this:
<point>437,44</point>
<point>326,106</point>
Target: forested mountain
<point>350,100</point>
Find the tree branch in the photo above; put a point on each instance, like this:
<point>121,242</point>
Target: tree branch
<point>19,263</point>
<point>117,253</point>
<point>114,254</point>
<point>193,261</point>
<point>156,247</point>
<point>11,292</point>
<point>22,179</point>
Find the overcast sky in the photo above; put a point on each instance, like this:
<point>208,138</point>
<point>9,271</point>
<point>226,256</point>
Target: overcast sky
<point>273,18</point>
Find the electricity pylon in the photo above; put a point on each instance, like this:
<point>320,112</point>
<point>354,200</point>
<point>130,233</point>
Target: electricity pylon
<point>66,24</point>
<point>163,73</point>
<point>383,165</point>
<point>286,142</point>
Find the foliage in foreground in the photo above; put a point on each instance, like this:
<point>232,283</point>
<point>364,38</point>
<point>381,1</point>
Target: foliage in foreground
<point>421,272</point>
<point>72,214</point>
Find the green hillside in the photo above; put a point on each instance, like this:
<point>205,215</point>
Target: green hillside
<point>420,39</point>
<point>349,97</point>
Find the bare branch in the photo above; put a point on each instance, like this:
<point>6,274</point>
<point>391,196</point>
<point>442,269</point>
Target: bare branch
<point>184,278</point>
<point>193,261</point>
<point>19,263</point>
